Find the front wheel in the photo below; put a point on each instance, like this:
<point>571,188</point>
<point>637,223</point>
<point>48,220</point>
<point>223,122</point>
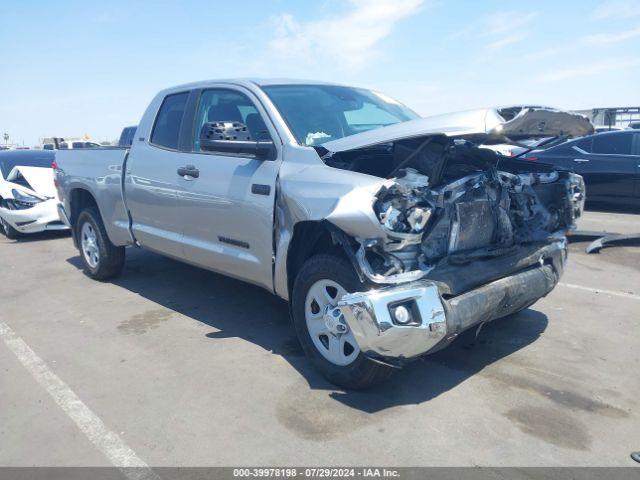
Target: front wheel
<point>101,258</point>
<point>323,333</point>
<point>9,232</point>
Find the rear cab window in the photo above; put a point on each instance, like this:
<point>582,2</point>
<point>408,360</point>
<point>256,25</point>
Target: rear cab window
<point>166,129</point>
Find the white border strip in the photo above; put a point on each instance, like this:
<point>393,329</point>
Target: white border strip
<point>599,290</point>
<point>108,442</point>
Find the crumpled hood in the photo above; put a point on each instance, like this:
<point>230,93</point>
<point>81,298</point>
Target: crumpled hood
<point>482,125</point>
<point>40,179</point>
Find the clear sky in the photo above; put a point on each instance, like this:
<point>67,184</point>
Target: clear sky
<point>69,68</point>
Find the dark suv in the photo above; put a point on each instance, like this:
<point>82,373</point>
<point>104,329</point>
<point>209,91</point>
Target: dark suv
<point>608,161</point>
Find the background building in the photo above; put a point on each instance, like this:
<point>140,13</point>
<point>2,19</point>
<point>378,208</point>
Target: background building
<point>612,116</point>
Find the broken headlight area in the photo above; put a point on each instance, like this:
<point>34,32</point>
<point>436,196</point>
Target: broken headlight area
<point>402,207</point>
<point>404,210</point>
<point>21,200</point>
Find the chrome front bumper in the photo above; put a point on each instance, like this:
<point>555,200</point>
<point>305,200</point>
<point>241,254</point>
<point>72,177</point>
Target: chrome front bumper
<point>437,321</point>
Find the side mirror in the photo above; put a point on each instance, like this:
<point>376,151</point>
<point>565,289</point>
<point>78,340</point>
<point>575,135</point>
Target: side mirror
<point>234,137</point>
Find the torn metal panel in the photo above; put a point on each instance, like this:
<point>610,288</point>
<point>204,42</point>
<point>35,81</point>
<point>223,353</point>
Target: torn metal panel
<point>613,240</point>
<point>584,235</point>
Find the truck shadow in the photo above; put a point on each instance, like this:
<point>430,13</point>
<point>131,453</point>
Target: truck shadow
<point>41,236</point>
<point>435,374</point>
<point>236,309</point>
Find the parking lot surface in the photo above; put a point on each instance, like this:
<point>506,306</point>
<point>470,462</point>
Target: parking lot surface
<point>177,366</point>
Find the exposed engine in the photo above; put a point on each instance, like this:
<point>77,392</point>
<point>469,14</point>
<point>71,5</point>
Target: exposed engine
<point>478,207</point>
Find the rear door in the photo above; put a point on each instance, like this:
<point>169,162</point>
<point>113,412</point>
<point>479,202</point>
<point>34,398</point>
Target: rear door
<point>229,207</point>
<point>152,184</point>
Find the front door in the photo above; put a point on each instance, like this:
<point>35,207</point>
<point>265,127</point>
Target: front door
<point>230,205</point>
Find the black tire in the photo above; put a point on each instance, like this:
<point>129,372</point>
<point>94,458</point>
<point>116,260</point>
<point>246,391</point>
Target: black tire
<point>111,258</point>
<point>362,372</point>
<point>9,232</point>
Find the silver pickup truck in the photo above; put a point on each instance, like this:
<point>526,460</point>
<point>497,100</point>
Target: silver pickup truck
<point>389,234</point>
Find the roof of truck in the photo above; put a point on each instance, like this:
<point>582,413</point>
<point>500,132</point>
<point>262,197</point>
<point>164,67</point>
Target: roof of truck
<point>248,82</point>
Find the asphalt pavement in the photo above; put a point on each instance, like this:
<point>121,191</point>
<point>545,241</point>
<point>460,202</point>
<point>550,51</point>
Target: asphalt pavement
<point>171,365</point>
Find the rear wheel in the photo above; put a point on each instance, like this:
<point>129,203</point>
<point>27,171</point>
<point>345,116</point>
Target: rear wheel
<point>101,258</point>
<point>321,328</point>
<point>9,232</point>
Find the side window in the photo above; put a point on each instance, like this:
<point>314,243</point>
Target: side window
<point>613,144</point>
<point>166,129</point>
<point>227,115</point>
<point>585,144</point>
<point>564,149</point>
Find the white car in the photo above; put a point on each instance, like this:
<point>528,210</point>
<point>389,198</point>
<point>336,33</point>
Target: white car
<point>28,197</point>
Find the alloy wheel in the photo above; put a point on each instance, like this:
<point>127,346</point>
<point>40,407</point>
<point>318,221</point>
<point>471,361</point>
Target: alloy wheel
<point>89,243</point>
<point>326,324</point>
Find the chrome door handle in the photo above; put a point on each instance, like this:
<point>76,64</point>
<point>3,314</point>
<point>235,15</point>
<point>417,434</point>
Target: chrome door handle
<point>581,160</point>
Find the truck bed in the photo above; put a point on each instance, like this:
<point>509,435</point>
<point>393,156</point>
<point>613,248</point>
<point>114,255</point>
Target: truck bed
<point>99,172</point>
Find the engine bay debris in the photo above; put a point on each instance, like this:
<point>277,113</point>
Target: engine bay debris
<point>454,202</point>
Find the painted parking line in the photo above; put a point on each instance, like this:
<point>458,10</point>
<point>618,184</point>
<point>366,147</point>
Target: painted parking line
<point>599,290</point>
<point>107,441</point>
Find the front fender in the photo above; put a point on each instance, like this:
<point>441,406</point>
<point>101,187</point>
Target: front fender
<point>313,191</point>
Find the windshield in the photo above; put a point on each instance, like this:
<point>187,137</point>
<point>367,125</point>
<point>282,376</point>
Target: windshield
<point>10,159</point>
<point>317,114</point>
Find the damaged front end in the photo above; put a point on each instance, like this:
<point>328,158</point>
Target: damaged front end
<point>465,236</point>
<point>479,216</point>
<point>479,248</point>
